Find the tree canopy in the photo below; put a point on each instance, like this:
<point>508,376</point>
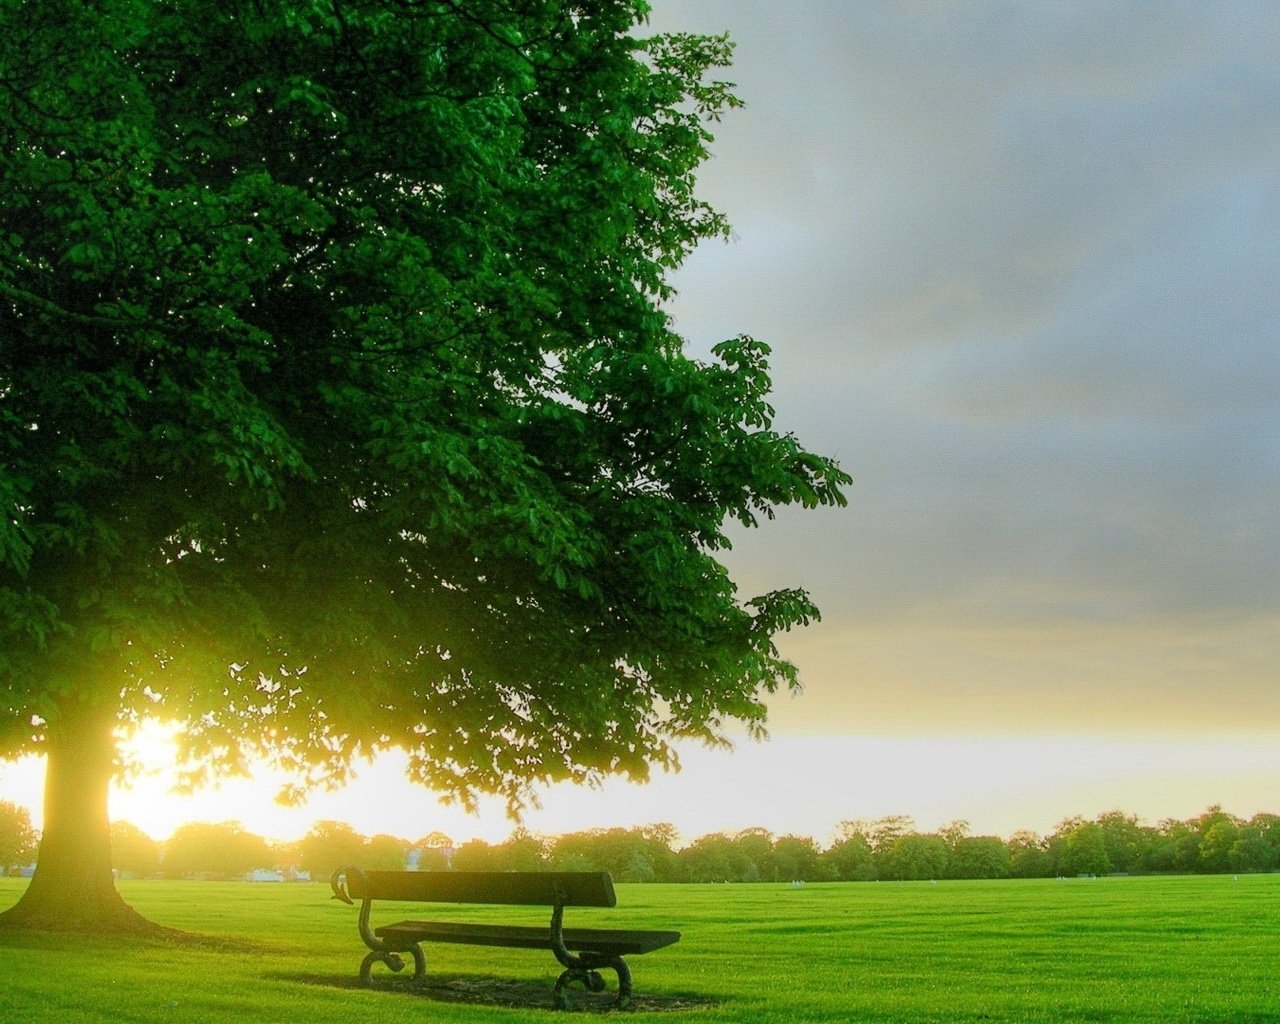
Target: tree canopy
<point>339,410</point>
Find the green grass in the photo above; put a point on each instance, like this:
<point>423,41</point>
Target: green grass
<point>1164,950</point>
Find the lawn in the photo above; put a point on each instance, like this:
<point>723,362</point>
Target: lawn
<point>1114,949</point>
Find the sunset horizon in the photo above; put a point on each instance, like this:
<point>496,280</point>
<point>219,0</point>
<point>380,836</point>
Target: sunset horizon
<point>793,784</point>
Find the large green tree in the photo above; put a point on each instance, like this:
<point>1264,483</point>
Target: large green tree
<point>339,410</point>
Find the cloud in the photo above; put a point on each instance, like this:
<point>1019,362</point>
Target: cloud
<point>951,171</point>
<point>1017,262</point>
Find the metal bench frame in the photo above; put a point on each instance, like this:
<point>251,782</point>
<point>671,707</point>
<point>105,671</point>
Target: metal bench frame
<point>554,889</point>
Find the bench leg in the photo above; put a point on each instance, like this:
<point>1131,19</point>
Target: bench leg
<point>586,972</point>
<point>396,962</point>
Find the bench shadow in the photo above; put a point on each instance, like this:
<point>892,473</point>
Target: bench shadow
<point>486,990</point>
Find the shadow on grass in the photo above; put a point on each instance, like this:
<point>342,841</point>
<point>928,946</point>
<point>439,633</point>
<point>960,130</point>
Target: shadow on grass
<point>170,939</point>
<point>484,990</point>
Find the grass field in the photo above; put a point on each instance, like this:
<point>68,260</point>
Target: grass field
<point>1166,950</point>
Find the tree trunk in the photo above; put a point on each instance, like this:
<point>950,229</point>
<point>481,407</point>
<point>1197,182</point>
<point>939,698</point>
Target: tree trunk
<point>73,887</point>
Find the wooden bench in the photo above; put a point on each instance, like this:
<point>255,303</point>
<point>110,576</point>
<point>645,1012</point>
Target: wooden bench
<point>581,951</point>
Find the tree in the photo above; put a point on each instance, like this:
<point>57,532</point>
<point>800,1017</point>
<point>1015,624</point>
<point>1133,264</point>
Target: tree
<point>328,846</point>
<point>1084,851</point>
<point>1266,827</point>
<point>850,858</point>
<point>797,858</point>
<point>1252,852</point>
<point>658,849</point>
<point>1219,840</point>
<point>884,832</point>
<point>223,850</point>
<point>979,857</point>
<point>435,852</point>
<point>1162,852</point>
<point>1123,838</point>
<point>521,851</point>
<point>1028,857</point>
<point>1187,852</point>
<point>385,853</point>
<point>476,855</point>
<point>953,833</point>
<point>913,857</point>
<point>755,847</point>
<point>714,858</point>
<point>582,851</point>
<point>133,852</point>
<point>629,855</point>
<point>17,837</point>
<point>339,410</point>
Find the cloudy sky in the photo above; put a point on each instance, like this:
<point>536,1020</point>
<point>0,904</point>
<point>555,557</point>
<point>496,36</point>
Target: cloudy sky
<point>1018,263</point>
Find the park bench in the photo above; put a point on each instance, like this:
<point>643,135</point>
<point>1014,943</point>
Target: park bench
<point>581,951</point>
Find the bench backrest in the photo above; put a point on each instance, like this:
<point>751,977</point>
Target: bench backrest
<point>538,888</point>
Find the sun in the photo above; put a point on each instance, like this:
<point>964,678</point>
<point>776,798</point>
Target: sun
<point>146,792</point>
<point>150,747</point>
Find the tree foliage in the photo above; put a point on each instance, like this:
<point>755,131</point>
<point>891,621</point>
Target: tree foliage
<point>653,853</point>
<point>1028,857</point>
<point>338,406</point>
<point>329,845</point>
<point>979,857</point>
<point>17,836</point>
<point>522,851</point>
<point>914,857</point>
<point>1084,851</point>
<point>385,853</point>
<point>629,855</point>
<point>221,850</point>
<point>133,852</point>
<point>851,859</point>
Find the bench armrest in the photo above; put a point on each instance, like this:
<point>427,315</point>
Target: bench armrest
<point>341,880</point>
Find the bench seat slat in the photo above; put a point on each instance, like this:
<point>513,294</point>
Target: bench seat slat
<point>595,940</point>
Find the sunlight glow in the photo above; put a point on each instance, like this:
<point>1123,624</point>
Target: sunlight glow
<point>804,785</point>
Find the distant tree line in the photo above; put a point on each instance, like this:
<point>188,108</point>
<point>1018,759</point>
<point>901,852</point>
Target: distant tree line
<point>889,849</point>
<point>226,850</point>
<point>892,849</point>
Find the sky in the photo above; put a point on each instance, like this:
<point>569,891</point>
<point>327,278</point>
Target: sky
<point>1017,263</point>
